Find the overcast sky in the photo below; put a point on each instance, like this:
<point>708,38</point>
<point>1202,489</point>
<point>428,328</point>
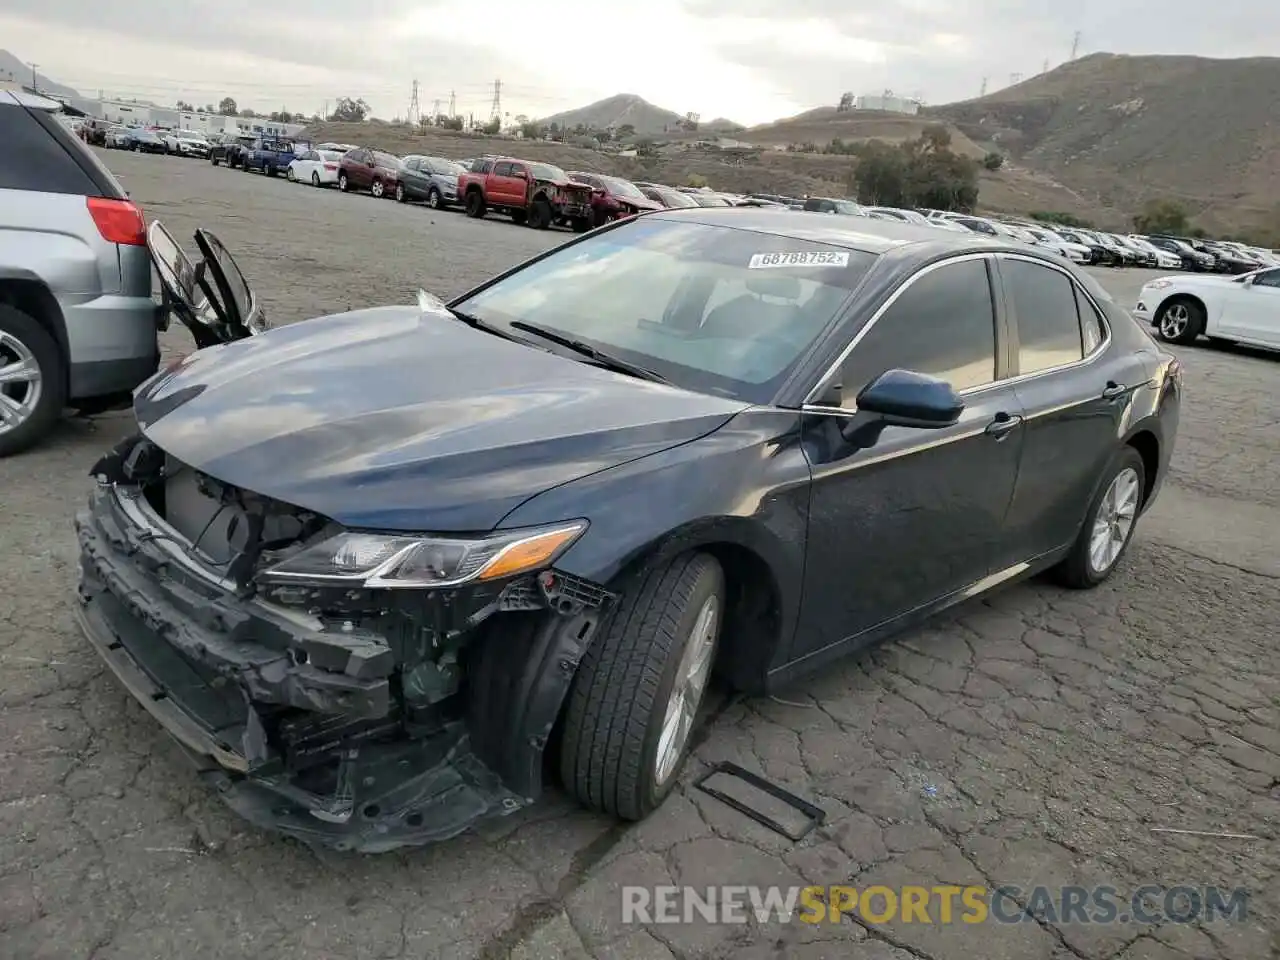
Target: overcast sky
<point>750,60</point>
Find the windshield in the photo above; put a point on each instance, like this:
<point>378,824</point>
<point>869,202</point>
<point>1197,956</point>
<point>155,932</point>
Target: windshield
<point>545,171</point>
<point>623,188</point>
<point>844,206</point>
<point>715,309</point>
<point>673,198</point>
<point>706,200</point>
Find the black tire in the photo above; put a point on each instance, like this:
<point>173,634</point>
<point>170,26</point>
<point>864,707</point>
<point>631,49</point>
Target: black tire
<point>519,217</point>
<point>580,224</point>
<point>1167,331</point>
<point>214,161</point>
<point>1078,570</point>
<point>315,179</point>
<point>476,206</point>
<point>269,170</point>
<point>540,214</point>
<point>434,200</point>
<point>53,393</point>
<point>342,182</point>
<point>616,705</point>
<point>401,196</point>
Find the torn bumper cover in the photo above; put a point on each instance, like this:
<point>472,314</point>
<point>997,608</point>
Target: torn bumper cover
<point>303,728</point>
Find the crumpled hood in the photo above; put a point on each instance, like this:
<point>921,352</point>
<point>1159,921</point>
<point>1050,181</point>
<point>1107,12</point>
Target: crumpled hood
<point>397,420</point>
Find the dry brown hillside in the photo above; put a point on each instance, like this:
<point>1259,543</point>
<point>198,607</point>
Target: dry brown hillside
<point>1130,129</point>
<point>825,124</point>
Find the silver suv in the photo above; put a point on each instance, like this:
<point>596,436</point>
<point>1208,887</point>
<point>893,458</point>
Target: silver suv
<point>78,325</point>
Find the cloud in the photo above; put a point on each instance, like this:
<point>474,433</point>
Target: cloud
<point>751,60</point>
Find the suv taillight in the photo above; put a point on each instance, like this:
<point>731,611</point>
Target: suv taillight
<point>119,221</point>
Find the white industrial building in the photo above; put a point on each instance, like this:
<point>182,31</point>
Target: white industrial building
<point>888,102</point>
<point>134,114</point>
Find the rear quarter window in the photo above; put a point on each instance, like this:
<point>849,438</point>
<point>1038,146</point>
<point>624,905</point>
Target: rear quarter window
<point>38,154</point>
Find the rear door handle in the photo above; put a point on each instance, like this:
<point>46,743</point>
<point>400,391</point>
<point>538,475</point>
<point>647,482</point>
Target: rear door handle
<point>1003,425</point>
<point>1114,390</point>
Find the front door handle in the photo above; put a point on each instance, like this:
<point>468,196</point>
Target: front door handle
<point>1003,425</point>
<point>1114,390</point>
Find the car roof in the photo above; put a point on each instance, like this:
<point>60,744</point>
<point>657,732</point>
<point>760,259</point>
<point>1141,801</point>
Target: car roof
<point>32,101</point>
<point>853,233</point>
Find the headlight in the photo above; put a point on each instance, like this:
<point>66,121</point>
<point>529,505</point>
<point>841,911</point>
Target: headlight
<point>378,560</point>
<point>1158,284</point>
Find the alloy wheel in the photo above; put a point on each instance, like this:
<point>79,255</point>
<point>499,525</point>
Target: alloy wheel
<point>1114,520</point>
<point>690,683</point>
<point>21,382</point>
<point>1174,321</point>
<point>376,189</point>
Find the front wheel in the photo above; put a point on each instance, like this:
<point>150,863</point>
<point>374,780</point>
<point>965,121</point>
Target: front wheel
<point>400,194</point>
<point>290,175</point>
<point>1108,526</point>
<point>214,161</point>
<point>1180,320</point>
<point>580,224</point>
<point>342,182</point>
<point>475,204</point>
<point>315,179</point>
<point>634,700</point>
<point>377,189</point>
<point>540,214</point>
<point>433,198</point>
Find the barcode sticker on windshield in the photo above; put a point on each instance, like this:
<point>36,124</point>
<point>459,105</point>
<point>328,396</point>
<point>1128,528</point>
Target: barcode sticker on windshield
<point>802,258</point>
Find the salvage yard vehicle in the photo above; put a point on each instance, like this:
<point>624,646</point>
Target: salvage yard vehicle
<point>268,154</point>
<point>231,151</point>
<point>613,198</point>
<point>316,167</point>
<point>432,179</point>
<point>78,325</point>
<point>372,569</point>
<point>1242,309</point>
<point>372,170</point>
<point>539,194</point>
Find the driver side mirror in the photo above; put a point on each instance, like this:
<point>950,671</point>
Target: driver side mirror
<point>903,398</point>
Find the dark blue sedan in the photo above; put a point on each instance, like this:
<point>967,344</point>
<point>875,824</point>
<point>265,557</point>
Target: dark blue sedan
<point>369,568</point>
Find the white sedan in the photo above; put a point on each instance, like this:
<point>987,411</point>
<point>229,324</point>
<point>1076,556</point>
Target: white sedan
<point>1243,309</point>
<point>316,167</point>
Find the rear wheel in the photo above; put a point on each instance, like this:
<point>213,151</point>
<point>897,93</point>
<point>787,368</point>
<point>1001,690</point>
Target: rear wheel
<point>290,175</point>
<point>1180,320</point>
<point>377,189</point>
<point>33,388</point>
<point>214,161</point>
<point>315,179</point>
<point>1108,526</point>
<point>400,194</point>
<point>475,204</point>
<point>433,198</point>
<point>634,700</point>
<point>342,182</point>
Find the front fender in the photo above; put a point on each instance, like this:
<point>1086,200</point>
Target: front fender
<point>744,487</point>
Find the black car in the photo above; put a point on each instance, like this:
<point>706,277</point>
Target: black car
<point>370,569</point>
<point>231,151</point>
<point>1229,260</point>
<point>1192,259</point>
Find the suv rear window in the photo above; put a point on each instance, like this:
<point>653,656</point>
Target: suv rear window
<point>38,153</point>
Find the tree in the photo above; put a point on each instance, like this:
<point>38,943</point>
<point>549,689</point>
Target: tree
<point>451,123</point>
<point>993,161</point>
<point>1060,218</point>
<point>349,110</point>
<point>1162,216</point>
<point>227,107</point>
<point>924,172</point>
<point>247,112</point>
<point>690,121</point>
<point>532,130</point>
<point>880,178</point>
<point>626,130</point>
<point>492,128</point>
<point>846,102</point>
<point>693,180</point>
<point>183,105</point>
<point>283,116</point>
<point>603,136</point>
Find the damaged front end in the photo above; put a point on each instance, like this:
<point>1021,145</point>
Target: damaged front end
<point>353,690</point>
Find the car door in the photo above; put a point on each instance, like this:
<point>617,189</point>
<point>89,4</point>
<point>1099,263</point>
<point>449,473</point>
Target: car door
<point>412,176</point>
<point>361,173</point>
<point>501,189</point>
<point>1252,312</point>
<point>1076,393</point>
<point>901,518</point>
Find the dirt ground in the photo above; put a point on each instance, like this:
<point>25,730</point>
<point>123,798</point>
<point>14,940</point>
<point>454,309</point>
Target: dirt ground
<point>1037,736</point>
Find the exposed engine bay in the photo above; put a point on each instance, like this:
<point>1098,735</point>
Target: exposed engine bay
<point>345,716</point>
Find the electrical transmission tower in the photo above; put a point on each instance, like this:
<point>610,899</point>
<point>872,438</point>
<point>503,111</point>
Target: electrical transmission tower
<point>1015,78</point>
<point>414,114</point>
<point>496,109</point>
<point>435,109</point>
<point>1045,68</point>
<point>453,104</point>
<point>1075,45</point>
<point>983,91</point>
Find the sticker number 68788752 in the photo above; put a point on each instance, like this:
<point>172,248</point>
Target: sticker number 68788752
<point>800,258</point>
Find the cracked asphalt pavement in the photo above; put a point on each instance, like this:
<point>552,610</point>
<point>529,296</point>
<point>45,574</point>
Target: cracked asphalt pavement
<point>1033,737</point>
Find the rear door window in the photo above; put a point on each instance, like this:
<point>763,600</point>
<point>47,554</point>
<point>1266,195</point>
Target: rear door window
<point>1044,302</point>
<point>39,154</point>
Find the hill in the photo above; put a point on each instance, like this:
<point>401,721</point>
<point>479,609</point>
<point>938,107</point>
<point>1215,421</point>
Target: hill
<point>613,112</point>
<point>11,68</point>
<point>824,124</point>
<point>1128,129</point>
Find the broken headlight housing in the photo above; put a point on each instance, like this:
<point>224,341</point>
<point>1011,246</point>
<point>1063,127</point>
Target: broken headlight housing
<point>396,561</point>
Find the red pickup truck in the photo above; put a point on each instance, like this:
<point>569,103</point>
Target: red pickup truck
<point>538,194</point>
